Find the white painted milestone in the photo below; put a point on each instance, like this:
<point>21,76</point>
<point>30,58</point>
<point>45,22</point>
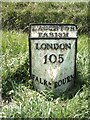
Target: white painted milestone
<point>53,56</point>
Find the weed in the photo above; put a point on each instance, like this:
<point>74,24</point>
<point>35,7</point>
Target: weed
<point>23,101</point>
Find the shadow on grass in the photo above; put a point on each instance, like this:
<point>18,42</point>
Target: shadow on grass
<point>22,76</point>
<point>12,80</point>
<point>77,87</point>
<point>71,92</point>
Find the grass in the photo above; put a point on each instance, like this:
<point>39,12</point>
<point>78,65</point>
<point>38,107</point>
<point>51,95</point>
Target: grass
<point>19,100</point>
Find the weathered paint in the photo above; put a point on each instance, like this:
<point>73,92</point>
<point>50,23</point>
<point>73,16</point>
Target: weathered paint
<point>53,31</point>
<point>53,67</point>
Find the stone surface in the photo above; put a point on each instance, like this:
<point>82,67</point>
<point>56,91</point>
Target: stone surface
<point>53,60</point>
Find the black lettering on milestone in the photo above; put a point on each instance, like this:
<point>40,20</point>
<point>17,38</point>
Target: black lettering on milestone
<point>62,46</point>
<point>64,34</point>
<point>67,34</point>
<point>59,34</point>
<point>60,83</point>
<point>39,35</point>
<point>51,34</point>
<point>55,84</point>
<point>41,81</point>
<point>32,77</point>
<point>67,46</point>
<point>45,82</point>
<point>68,79</point>
<point>72,29</point>
<point>37,47</point>
<point>56,35</point>
<point>43,46</point>
<point>49,46</point>
<point>61,28</point>
<point>72,77</point>
<point>56,46</point>
<point>49,84</point>
<point>67,28</point>
<point>55,58</point>
<point>33,29</point>
<point>45,35</point>
<point>36,78</point>
<point>64,81</point>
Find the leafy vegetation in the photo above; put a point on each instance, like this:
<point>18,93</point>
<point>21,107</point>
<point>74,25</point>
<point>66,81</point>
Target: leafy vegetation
<point>20,15</point>
<point>19,99</point>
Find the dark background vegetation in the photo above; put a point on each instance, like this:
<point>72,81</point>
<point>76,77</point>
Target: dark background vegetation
<point>19,99</point>
<point>20,15</point>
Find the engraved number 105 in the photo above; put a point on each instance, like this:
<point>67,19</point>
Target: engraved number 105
<point>53,58</point>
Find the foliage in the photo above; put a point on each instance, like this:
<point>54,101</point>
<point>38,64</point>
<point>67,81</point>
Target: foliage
<point>20,15</point>
<point>15,64</point>
<point>19,100</point>
<point>30,104</point>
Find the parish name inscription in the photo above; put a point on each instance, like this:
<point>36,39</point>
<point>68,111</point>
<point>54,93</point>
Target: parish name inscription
<point>52,48</point>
